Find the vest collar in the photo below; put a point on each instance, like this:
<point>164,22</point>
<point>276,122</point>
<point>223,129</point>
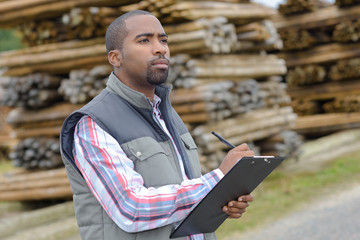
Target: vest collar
<point>132,96</point>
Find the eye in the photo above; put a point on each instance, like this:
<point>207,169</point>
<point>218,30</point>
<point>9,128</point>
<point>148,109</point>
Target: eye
<point>164,40</point>
<point>145,40</point>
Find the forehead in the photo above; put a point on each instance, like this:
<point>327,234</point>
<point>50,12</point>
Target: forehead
<point>143,24</point>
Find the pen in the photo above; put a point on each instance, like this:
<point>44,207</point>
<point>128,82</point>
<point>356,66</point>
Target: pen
<point>223,139</point>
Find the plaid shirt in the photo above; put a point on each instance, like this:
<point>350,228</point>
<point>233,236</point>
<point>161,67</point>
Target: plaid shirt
<point>120,190</point>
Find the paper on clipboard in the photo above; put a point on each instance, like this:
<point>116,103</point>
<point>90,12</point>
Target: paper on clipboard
<point>242,179</point>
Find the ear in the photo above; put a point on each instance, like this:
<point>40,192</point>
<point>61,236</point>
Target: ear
<point>114,58</point>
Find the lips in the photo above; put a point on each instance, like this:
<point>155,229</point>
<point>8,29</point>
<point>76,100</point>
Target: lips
<point>160,63</point>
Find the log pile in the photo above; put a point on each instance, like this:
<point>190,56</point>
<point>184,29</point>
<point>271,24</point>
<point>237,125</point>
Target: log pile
<point>343,104</point>
<point>202,36</point>
<point>16,12</point>
<point>55,58</point>
<point>286,143</point>
<point>224,75</point>
<point>347,31</point>
<point>325,25</point>
<point>250,126</point>
<point>300,6</point>
<point>84,84</point>
<point>37,153</point>
<point>6,143</point>
<point>235,12</point>
<point>45,122</point>
<point>35,185</point>
<point>346,3</point>
<point>323,78</point>
<point>31,91</point>
<point>79,23</point>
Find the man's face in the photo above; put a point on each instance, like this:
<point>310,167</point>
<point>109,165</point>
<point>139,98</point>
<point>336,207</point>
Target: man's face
<point>145,54</point>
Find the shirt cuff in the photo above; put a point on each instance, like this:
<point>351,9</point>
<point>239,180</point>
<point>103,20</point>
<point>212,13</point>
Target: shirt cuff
<point>212,178</point>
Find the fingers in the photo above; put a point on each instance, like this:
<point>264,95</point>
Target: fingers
<point>234,155</point>
<point>235,209</point>
<point>242,147</point>
<point>246,198</point>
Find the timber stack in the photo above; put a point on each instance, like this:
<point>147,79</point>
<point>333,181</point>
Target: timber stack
<point>224,74</point>
<point>321,50</point>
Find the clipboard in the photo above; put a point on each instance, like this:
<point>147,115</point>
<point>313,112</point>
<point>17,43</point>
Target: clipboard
<point>242,179</point>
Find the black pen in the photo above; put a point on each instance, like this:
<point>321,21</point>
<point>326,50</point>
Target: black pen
<point>223,139</point>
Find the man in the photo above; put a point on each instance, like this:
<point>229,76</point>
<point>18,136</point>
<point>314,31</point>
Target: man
<point>131,162</point>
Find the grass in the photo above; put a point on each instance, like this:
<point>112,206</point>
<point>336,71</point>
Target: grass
<point>283,192</point>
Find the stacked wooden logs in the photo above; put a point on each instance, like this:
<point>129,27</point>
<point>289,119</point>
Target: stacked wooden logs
<point>202,36</point>
<point>300,6</point>
<point>84,84</point>
<point>79,23</point>
<point>345,69</point>
<point>250,126</point>
<point>322,26</point>
<point>286,143</point>
<point>306,75</point>
<point>226,81</point>
<point>16,12</point>
<point>346,3</point>
<point>44,122</point>
<point>323,78</point>
<point>37,132</point>
<point>37,153</point>
<point>55,58</point>
<point>205,103</point>
<point>257,36</point>
<point>347,31</point>
<point>242,13</point>
<point>233,66</point>
<point>343,104</point>
<point>25,185</point>
<point>30,91</point>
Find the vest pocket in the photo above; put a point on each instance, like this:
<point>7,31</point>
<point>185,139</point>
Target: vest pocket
<point>151,160</point>
<point>191,150</point>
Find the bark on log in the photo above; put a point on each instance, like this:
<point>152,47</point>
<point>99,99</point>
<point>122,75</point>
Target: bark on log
<point>305,75</point>
<point>325,54</point>
<point>323,18</point>
<point>346,3</point>
<point>322,124</point>
<point>251,126</point>
<point>325,91</point>
<point>49,9</point>
<point>345,69</point>
<point>31,91</point>
<point>84,84</point>
<point>58,112</point>
<point>301,6</point>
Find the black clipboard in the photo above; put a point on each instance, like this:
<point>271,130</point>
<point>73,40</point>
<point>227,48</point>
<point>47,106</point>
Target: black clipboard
<point>242,179</point>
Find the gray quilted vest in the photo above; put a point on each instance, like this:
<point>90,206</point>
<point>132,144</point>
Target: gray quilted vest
<point>127,115</point>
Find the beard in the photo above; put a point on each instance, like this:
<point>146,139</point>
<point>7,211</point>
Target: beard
<point>156,76</point>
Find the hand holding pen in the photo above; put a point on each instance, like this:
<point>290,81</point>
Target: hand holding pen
<point>234,154</point>
<point>237,207</point>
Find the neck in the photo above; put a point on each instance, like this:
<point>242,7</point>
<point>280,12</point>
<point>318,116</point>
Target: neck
<point>147,89</point>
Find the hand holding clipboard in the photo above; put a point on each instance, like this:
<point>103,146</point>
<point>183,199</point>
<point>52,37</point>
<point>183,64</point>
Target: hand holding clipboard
<point>240,180</point>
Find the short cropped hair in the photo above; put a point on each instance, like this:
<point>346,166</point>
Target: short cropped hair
<point>117,31</point>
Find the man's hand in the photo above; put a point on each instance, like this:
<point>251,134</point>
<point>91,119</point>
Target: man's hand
<point>234,155</point>
<point>236,208</point>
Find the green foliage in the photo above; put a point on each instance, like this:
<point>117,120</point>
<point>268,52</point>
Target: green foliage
<point>9,40</point>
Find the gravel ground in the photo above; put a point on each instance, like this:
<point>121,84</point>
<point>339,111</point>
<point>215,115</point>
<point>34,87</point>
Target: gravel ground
<point>334,217</point>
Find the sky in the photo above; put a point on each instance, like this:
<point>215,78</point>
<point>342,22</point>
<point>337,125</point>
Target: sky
<point>275,3</point>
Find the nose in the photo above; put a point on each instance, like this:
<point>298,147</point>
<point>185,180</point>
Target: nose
<point>160,48</point>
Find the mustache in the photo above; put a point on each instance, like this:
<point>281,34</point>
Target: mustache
<point>162,57</point>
